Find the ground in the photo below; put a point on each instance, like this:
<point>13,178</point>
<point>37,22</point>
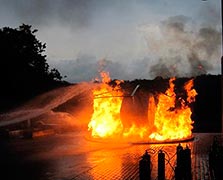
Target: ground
<point>73,156</point>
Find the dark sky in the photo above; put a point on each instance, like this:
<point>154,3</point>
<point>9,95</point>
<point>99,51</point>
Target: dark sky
<point>132,38</point>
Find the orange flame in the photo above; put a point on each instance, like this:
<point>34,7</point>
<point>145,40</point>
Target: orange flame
<point>191,93</point>
<point>165,120</point>
<point>173,122</point>
<point>105,120</point>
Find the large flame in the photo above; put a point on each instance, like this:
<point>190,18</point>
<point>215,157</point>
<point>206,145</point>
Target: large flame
<point>173,122</point>
<point>105,120</point>
<point>166,121</point>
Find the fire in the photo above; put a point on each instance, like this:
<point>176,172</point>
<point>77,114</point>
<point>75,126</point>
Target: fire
<point>191,93</point>
<point>166,120</point>
<point>105,120</point>
<point>173,122</point>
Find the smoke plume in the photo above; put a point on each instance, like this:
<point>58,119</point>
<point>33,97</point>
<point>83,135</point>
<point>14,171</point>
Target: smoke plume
<point>180,49</point>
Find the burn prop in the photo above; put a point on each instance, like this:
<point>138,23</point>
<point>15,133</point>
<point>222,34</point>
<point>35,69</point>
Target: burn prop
<point>120,116</point>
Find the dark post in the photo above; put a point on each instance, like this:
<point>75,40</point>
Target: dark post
<point>221,67</point>
<point>187,164</point>
<point>161,165</point>
<point>179,168</point>
<point>222,94</point>
<point>144,167</point>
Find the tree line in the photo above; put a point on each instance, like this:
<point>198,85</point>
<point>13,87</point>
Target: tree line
<point>24,70</point>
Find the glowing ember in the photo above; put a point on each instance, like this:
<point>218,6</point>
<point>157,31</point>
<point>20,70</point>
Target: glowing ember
<point>166,121</point>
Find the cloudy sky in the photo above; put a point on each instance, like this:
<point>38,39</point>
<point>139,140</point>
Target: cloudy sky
<point>132,39</point>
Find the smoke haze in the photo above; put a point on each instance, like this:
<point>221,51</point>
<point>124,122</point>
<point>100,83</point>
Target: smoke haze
<point>134,39</point>
<point>182,49</point>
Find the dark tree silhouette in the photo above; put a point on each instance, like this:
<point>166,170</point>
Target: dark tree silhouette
<point>24,70</point>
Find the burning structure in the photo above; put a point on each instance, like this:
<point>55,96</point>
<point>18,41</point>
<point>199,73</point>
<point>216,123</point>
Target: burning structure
<point>144,116</point>
<point>140,111</point>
